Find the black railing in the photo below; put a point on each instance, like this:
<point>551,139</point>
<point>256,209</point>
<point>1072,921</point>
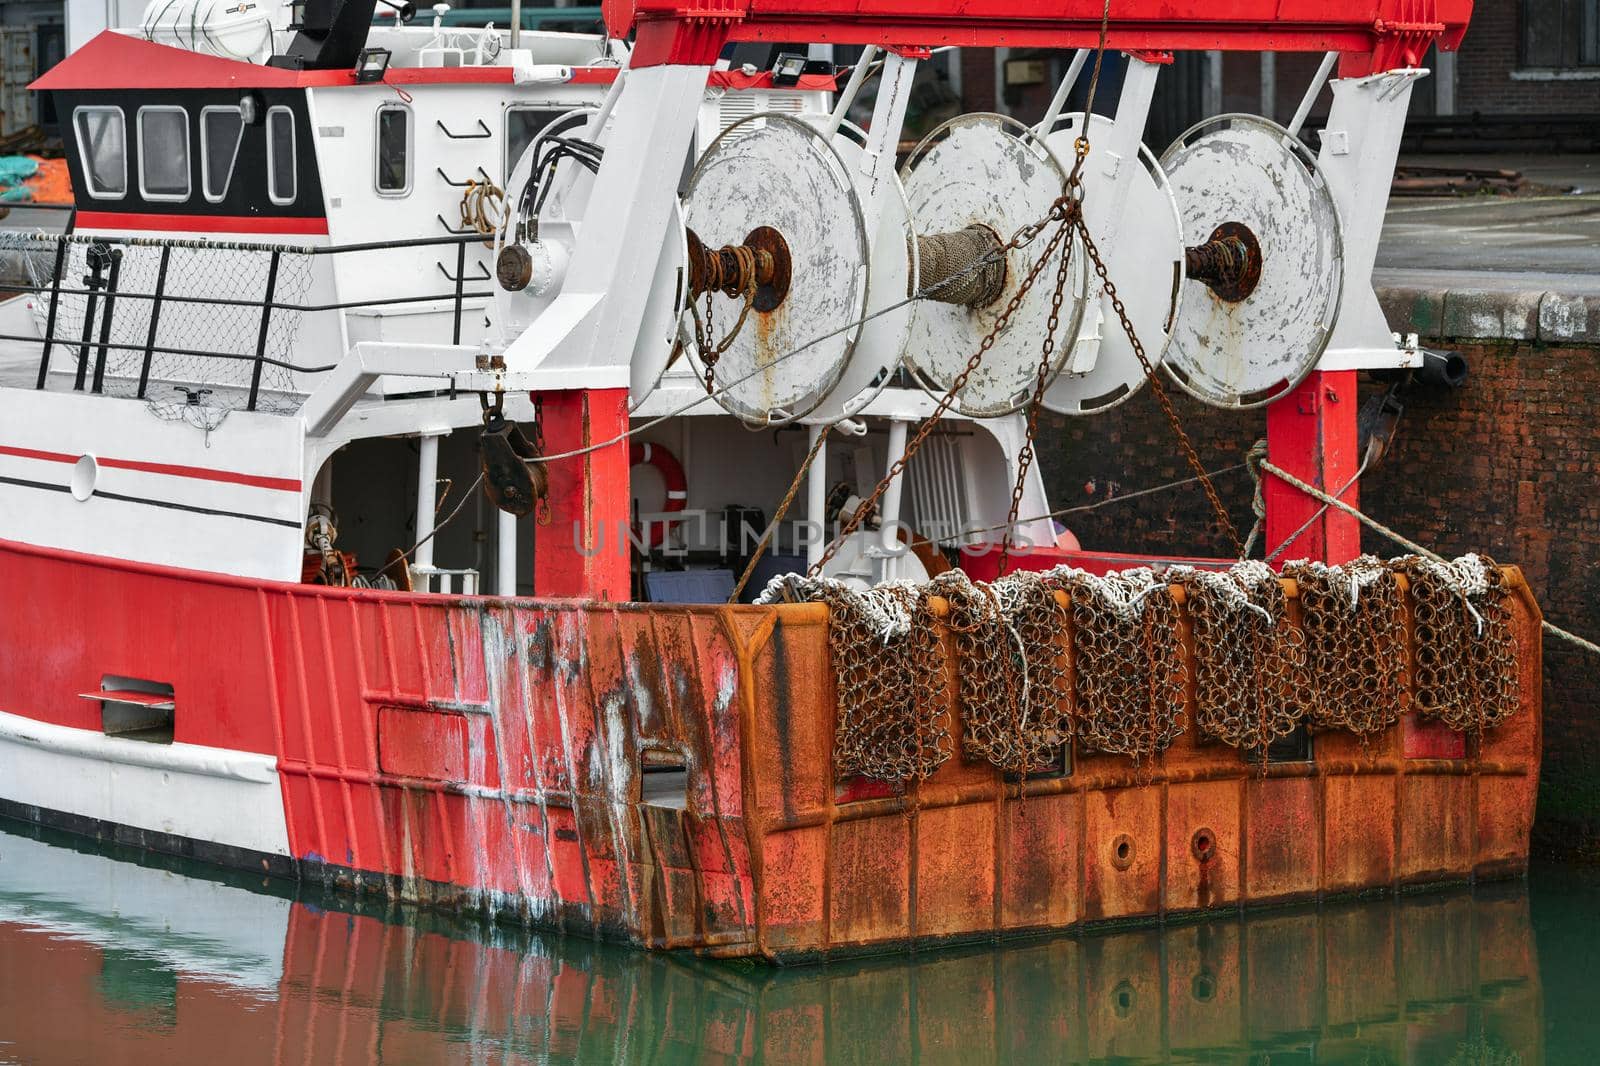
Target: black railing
<point>101,290</point>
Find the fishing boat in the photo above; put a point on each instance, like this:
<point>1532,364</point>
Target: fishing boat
<point>591,484</point>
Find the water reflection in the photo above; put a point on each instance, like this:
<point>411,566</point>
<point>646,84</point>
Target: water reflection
<point>140,959</point>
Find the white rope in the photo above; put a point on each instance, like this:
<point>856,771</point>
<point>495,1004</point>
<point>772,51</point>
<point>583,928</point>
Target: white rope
<point>1232,585</point>
<point>1409,544</point>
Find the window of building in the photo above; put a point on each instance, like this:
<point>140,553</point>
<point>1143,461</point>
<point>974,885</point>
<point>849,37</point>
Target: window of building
<point>394,150</point>
<point>280,155</point>
<point>1560,34</point>
<point>103,150</point>
<point>221,131</point>
<point>164,153</point>
<point>523,124</point>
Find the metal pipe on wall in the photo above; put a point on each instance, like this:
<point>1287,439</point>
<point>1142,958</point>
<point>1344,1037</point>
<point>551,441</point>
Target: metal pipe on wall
<point>817,499</point>
<point>427,497</point>
<point>505,563</point>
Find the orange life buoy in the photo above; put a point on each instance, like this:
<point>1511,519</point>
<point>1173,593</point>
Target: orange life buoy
<point>666,464</point>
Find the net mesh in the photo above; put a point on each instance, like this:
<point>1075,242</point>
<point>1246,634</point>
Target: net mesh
<point>207,328</point>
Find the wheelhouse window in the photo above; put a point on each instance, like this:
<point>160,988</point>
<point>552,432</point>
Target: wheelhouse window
<point>523,124</point>
<point>164,153</point>
<point>394,150</point>
<point>103,150</point>
<point>1561,34</point>
<point>280,156</point>
<point>221,131</point>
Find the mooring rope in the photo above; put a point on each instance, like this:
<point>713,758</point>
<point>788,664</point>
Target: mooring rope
<point>1406,543</point>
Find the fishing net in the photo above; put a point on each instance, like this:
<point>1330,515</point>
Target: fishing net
<point>208,322</point>
<point>1111,670</point>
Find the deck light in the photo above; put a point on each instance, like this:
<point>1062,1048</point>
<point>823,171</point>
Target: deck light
<point>787,70</point>
<point>372,64</point>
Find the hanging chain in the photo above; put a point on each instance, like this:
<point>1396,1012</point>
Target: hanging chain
<point>1047,350</point>
<point>1353,617</point>
<point>1465,671</point>
<point>1251,680</point>
<point>1224,520</point>
<point>743,284</point>
<point>1061,212</point>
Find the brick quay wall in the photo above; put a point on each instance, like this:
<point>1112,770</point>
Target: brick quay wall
<point>1508,465</point>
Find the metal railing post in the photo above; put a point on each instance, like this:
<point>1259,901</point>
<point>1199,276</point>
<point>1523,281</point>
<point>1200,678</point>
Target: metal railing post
<point>50,319</point>
<point>155,318</point>
<point>461,281</point>
<point>95,258</point>
<point>105,321</point>
<point>266,321</point>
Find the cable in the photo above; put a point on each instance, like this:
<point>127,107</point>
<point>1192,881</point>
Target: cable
<point>437,526</point>
<point>1086,507</point>
<point>1408,544</point>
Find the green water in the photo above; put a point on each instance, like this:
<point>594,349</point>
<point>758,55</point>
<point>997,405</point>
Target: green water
<point>117,957</point>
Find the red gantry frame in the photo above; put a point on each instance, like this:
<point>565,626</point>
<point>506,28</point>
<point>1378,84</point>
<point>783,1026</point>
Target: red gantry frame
<point>1373,35</point>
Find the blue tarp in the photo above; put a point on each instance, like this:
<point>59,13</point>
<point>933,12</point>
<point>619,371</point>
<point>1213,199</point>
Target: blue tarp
<point>14,170</point>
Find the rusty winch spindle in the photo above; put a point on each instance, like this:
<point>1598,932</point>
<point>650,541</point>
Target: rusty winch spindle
<point>1229,263</point>
<point>761,263</point>
<point>966,266</point>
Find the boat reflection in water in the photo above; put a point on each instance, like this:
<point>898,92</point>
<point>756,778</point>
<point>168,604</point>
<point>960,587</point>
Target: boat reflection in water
<point>105,959</point>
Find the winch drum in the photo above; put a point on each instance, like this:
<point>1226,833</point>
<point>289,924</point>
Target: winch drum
<point>1237,171</point>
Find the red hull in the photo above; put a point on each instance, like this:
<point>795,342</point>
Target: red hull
<point>487,754</point>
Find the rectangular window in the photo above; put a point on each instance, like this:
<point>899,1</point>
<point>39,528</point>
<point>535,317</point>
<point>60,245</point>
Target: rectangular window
<point>103,150</point>
<point>221,131</point>
<point>1560,34</point>
<point>280,156</point>
<point>394,150</point>
<point>164,153</point>
<point>523,124</point>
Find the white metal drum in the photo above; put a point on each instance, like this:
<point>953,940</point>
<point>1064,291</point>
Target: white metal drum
<point>891,279</point>
<point>1239,168</point>
<point>992,171</point>
<point>777,171</point>
<point>1143,251</point>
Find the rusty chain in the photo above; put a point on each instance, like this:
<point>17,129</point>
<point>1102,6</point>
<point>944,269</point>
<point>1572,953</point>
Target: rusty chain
<point>889,676</point>
<point>1016,710</point>
<point>1465,667</point>
<point>1128,674</point>
<point>1252,683</point>
<point>1353,618</point>
<point>1112,671</point>
<point>1189,453</point>
<point>744,286</point>
<point>1060,213</point>
<point>1047,349</point>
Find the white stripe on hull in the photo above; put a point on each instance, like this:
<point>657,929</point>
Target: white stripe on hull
<point>211,794</point>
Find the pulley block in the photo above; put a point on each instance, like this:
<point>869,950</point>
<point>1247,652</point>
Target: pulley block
<point>514,475</point>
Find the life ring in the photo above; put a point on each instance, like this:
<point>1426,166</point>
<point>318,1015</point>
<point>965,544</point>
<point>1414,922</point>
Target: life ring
<point>666,464</point>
